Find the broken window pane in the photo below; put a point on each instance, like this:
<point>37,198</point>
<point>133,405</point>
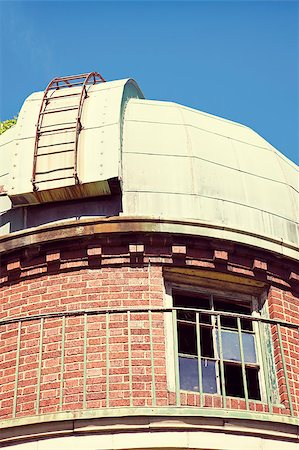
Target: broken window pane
<point>208,369</point>
<point>246,324</point>
<point>188,368</point>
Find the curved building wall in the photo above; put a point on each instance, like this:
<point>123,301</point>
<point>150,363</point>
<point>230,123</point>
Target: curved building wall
<point>166,309</point>
<point>88,332</point>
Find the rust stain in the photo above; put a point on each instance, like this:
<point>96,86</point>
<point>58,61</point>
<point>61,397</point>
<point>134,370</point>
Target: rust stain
<point>212,275</point>
<point>76,191</point>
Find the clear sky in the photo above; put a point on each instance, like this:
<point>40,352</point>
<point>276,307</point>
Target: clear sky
<point>236,59</point>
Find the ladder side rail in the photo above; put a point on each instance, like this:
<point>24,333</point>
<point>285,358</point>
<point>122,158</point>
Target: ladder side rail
<point>38,125</point>
<point>83,96</point>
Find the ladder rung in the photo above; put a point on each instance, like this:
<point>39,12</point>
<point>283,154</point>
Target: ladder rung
<point>72,77</point>
<point>58,86</point>
<point>57,129</point>
<point>58,143</point>
<point>71,124</point>
<point>54,179</point>
<point>62,96</point>
<point>54,170</point>
<point>70,85</point>
<point>59,110</point>
<point>54,153</point>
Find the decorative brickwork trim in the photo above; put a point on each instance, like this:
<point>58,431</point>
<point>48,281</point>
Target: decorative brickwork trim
<point>13,265</point>
<point>220,256</point>
<point>294,277</point>
<point>52,257</point>
<point>136,248</point>
<point>260,265</point>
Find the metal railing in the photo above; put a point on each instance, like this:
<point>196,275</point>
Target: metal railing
<point>103,359</point>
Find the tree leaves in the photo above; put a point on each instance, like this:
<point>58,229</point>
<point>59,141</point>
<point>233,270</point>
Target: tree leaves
<point>6,124</point>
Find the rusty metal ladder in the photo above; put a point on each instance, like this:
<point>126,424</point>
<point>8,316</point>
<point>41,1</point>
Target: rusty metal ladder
<point>56,84</point>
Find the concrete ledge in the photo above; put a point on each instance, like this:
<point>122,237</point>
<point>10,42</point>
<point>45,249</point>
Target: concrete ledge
<point>111,225</point>
<point>154,420</point>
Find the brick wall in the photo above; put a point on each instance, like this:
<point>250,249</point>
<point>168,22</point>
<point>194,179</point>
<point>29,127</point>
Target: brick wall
<point>107,288</point>
<point>123,281</point>
<point>283,305</point>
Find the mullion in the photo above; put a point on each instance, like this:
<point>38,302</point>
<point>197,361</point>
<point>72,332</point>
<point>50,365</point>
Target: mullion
<point>250,370</point>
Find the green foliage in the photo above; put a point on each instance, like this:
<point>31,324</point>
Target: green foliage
<point>7,124</point>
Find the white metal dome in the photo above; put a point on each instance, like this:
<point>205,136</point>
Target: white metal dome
<point>185,164</point>
<point>215,177</point>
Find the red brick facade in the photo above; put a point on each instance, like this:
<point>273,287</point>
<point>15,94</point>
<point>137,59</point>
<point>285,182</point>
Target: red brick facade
<point>83,277</point>
<point>283,305</point>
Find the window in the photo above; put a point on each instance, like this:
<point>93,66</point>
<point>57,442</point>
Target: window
<point>205,336</point>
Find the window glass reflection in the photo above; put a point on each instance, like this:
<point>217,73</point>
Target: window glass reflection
<point>249,347</point>
<point>189,375</point>
<point>231,347</point>
<point>208,376</point>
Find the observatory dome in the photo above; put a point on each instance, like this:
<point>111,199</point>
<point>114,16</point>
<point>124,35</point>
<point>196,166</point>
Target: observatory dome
<point>149,276</point>
<point>182,163</point>
<point>164,161</point>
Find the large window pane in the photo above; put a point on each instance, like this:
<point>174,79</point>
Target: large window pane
<point>234,381</point>
<point>209,344</point>
<point>208,376</point>
<point>189,375</point>
<point>231,347</point>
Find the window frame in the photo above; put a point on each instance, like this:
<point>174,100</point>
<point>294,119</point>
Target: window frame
<point>172,289</point>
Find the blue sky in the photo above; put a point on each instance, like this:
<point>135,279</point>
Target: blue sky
<point>236,59</point>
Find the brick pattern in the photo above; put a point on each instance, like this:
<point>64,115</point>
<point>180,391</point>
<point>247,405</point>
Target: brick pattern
<point>216,401</point>
<point>93,289</point>
<point>85,289</point>
<point>283,305</point>
<point>120,282</point>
